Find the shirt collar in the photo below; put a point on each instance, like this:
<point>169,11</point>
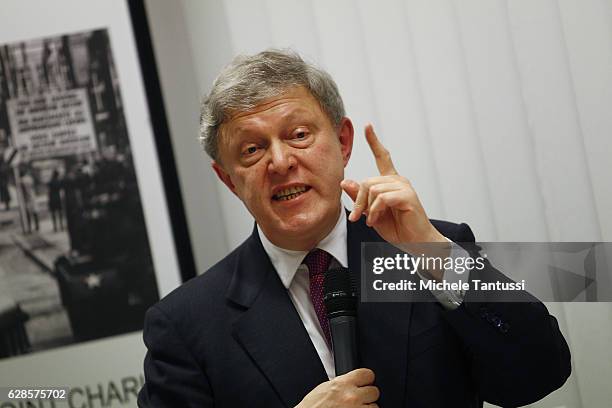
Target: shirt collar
<point>286,262</point>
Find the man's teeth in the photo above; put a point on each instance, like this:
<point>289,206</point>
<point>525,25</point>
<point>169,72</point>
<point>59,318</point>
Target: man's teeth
<point>289,193</point>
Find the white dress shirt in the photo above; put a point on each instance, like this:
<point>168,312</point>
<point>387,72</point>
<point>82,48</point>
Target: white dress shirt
<point>295,277</point>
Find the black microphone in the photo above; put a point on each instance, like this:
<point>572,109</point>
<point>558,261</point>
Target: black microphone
<point>340,299</point>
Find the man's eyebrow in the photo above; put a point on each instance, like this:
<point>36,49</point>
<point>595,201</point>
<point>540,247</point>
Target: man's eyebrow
<point>297,114</point>
<point>244,130</point>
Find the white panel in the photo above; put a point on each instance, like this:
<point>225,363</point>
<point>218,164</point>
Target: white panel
<point>588,35</point>
<point>549,97</point>
<point>590,337</point>
<point>209,39</point>
<point>399,100</point>
<point>248,22</point>
<point>449,113</point>
<point>292,25</point>
<point>343,56</point>
<point>587,28</point>
<point>501,121</point>
<point>569,395</point>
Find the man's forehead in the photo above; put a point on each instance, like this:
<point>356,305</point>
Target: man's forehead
<point>291,94</point>
<point>279,109</point>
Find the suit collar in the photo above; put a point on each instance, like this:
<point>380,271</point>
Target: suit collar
<point>250,271</point>
<point>270,329</point>
<point>253,264</point>
<point>286,262</point>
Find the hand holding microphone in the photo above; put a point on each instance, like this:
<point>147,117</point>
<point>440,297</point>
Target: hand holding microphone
<point>351,390</point>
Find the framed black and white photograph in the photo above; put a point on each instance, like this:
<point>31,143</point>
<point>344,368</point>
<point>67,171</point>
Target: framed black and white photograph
<point>92,229</point>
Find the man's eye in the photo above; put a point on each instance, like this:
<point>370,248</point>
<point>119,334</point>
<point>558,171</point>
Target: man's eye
<point>250,150</point>
<point>301,135</point>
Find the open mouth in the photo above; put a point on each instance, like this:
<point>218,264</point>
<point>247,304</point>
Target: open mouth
<point>290,193</point>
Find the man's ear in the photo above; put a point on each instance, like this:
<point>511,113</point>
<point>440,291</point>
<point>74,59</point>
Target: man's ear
<point>345,136</point>
<point>223,176</point>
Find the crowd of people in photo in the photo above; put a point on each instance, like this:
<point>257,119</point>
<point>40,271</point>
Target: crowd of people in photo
<point>74,195</point>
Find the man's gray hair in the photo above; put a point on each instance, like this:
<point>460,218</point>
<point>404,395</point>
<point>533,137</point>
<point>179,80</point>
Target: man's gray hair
<point>250,79</point>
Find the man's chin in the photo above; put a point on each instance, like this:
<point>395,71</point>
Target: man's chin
<point>297,227</point>
<point>301,230</point>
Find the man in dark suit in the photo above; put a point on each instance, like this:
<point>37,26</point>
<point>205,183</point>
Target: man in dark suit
<point>252,332</point>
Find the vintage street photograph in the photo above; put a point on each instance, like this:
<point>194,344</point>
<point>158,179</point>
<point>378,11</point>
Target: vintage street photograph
<point>75,260</point>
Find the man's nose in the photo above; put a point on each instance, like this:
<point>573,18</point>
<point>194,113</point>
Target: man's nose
<point>281,158</point>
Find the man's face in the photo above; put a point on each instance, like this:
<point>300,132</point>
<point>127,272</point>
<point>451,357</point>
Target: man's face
<point>285,160</point>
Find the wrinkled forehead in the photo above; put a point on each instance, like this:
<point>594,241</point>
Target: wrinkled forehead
<point>291,103</point>
<point>266,100</point>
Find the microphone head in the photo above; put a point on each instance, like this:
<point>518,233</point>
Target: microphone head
<point>340,296</point>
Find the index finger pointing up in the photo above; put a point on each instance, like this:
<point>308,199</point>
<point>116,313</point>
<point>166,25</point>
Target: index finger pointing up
<point>381,154</point>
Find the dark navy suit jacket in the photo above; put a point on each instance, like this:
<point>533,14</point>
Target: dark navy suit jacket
<point>232,338</point>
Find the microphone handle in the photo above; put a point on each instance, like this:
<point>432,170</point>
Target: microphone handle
<point>344,341</point>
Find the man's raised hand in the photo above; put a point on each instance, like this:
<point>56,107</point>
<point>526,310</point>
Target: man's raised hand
<point>390,203</point>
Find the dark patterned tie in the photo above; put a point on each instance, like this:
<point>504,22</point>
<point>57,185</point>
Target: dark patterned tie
<point>318,262</point>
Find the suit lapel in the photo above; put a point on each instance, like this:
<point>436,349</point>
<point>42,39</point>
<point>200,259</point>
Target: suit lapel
<point>383,327</point>
<point>270,329</point>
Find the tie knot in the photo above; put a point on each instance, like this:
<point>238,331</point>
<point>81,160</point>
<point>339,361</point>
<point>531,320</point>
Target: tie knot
<point>317,261</point>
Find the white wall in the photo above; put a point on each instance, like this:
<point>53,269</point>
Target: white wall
<point>497,110</point>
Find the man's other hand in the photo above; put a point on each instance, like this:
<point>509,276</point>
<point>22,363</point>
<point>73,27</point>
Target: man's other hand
<point>351,390</point>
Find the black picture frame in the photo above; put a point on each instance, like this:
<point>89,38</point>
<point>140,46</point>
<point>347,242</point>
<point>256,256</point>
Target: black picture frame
<point>174,200</point>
